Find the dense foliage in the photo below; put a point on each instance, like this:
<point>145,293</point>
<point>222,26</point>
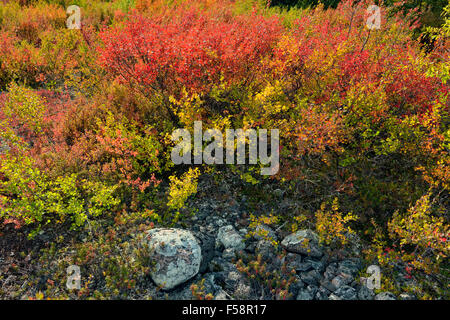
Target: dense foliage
<point>86,117</point>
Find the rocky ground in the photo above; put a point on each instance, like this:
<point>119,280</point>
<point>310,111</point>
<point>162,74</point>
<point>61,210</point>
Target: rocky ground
<point>217,251</point>
<point>216,238</point>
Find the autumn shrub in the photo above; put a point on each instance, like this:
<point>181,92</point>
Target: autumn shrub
<point>422,227</point>
<point>29,194</point>
<point>113,261</point>
<point>180,189</point>
<point>192,51</point>
<point>19,61</point>
<point>24,109</point>
<point>198,291</point>
<point>86,119</point>
<point>332,225</point>
<point>27,22</point>
<point>353,93</point>
<point>363,108</point>
<point>266,281</point>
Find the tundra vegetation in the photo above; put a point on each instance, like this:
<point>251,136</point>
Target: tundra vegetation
<point>86,118</point>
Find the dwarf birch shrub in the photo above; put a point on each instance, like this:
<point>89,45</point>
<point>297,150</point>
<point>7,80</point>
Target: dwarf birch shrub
<point>30,197</point>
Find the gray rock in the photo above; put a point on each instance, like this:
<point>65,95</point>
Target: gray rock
<point>328,284</point>
<point>293,261</point>
<point>228,254</point>
<point>304,242</point>
<point>266,249</point>
<point>207,244</point>
<point>296,286</point>
<point>311,277</point>
<point>354,246</point>
<point>307,293</point>
<point>365,293</point>
<point>330,271</point>
<point>407,296</point>
<point>220,222</point>
<point>341,280</point>
<point>385,296</point>
<point>322,294</point>
<point>304,266</point>
<point>346,293</point>
<point>220,265</point>
<point>229,238</point>
<point>333,297</point>
<point>177,254</point>
<point>349,267</point>
<point>243,232</point>
<point>303,294</point>
<point>319,266</point>
<point>264,232</point>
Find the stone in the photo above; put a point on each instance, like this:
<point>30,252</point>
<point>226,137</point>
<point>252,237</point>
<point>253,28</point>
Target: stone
<point>229,238</point>
<point>333,297</point>
<point>319,266</point>
<point>207,245</point>
<point>266,249</point>
<point>264,232</point>
<point>349,267</point>
<point>304,242</point>
<point>243,232</point>
<point>407,296</point>
<point>330,271</point>
<point>177,255</point>
<point>354,246</point>
<point>346,293</point>
<point>293,261</point>
<point>311,277</point>
<point>322,294</point>
<point>341,280</point>
<point>228,254</point>
<point>385,296</point>
<point>328,285</point>
<point>307,293</point>
<point>365,293</point>
<point>303,294</point>
<point>296,286</point>
<point>304,266</point>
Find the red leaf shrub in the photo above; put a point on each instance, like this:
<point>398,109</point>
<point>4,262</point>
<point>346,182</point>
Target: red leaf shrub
<point>194,50</point>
